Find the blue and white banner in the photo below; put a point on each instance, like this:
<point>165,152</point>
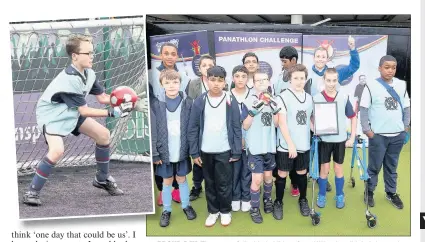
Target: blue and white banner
<point>191,46</point>
<point>230,47</point>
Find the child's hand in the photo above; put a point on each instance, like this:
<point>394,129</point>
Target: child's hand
<point>351,42</point>
<point>349,143</point>
<point>274,106</point>
<point>233,159</point>
<point>117,113</point>
<point>158,162</point>
<point>370,134</point>
<point>256,108</point>
<point>292,151</point>
<point>198,161</point>
<point>407,137</point>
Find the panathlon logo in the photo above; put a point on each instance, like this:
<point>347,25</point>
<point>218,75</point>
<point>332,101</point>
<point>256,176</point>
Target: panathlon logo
<point>390,103</point>
<point>172,41</point>
<point>196,48</point>
<point>301,117</point>
<point>266,119</point>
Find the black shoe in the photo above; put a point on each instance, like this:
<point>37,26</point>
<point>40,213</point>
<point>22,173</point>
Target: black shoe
<point>109,185</point>
<point>194,193</point>
<point>190,213</point>
<point>256,215</point>
<point>278,210</point>
<point>31,198</point>
<point>328,187</point>
<point>370,199</point>
<point>304,208</point>
<point>165,219</point>
<point>268,205</point>
<point>395,200</point>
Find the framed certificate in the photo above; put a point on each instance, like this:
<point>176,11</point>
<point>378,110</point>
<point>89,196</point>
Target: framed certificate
<point>326,118</point>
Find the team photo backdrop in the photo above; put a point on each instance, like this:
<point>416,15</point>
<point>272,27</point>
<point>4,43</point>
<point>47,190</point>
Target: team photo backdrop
<point>230,47</point>
<point>371,48</point>
<point>191,46</point>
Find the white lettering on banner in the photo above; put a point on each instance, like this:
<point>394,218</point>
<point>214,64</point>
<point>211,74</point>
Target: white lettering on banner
<point>279,40</point>
<point>261,39</point>
<point>237,39</point>
<point>27,133</point>
<point>136,126</point>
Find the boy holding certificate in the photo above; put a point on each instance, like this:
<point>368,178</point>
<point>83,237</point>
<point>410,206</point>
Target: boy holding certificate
<point>334,144</point>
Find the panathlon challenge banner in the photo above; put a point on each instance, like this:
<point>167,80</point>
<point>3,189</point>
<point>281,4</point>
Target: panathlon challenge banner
<point>230,47</point>
<point>370,47</point>
<point>191,46</point>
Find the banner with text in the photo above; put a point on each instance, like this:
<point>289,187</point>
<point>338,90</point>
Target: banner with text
<point>230,47</point>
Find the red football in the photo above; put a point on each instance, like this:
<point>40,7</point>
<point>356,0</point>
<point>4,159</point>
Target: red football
<point>123,94</point>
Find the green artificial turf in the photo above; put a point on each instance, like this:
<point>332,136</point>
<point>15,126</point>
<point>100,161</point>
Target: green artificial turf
<point>349,221</point>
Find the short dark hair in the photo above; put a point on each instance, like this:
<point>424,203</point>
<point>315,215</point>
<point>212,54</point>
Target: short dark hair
<point>216,71</point>
<point>206,57</point>
<point>330,71</point>
<point>288,52</point>
<point>297,68</point>
<point>387,58</point>
<point>240,68</point>
<point>168,44</point>
<point>249,54</point>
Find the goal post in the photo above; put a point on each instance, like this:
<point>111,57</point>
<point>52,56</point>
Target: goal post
<point>38,55</point>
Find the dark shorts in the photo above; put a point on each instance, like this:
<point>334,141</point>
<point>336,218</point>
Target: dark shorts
<point>181,168</point>
<point>261,163</point>
<point>75,132</point>
<point>284,163</point>
<point>337,150</point>
<point>80,121</point>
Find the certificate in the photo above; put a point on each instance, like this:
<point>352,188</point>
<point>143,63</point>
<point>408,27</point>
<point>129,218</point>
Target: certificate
<point>326,118</point>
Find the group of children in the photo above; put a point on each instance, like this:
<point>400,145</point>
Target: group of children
<point>237,138</point>
<point>240,138</point>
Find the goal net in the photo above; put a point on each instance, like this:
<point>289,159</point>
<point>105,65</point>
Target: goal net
<point>38,54</point>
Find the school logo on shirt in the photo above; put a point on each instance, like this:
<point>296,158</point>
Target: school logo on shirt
<point>390,103</point>
<point>266,119</point>
<point>301,117</point>
<point>252,165</point>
